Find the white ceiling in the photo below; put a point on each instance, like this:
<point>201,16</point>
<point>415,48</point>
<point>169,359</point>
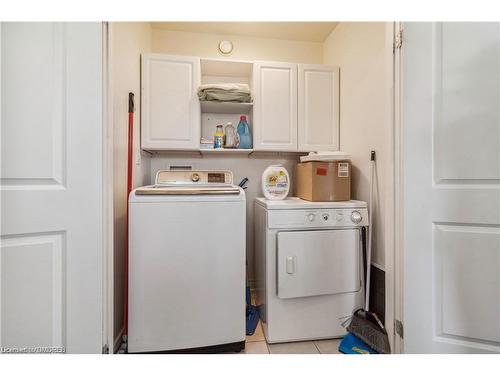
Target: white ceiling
<point>303,31</point>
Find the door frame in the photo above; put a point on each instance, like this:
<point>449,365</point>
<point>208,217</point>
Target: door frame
<point>394,267</point>
<point>397,253</point>
<point>393,249</point>
<point>107,195</point>
<point>394,203</point>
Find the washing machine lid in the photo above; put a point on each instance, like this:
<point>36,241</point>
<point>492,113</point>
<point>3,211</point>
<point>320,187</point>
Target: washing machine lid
<point>189,182</point>
<point>194,177</point>
<point>187,190</point>
<point>294,203</point>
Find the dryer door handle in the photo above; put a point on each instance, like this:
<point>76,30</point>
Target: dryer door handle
<point>290,265</point>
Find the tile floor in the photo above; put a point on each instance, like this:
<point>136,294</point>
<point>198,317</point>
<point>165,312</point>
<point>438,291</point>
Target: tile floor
<point>256,344</point>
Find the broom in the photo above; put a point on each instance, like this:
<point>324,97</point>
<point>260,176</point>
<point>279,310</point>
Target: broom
<point>366,325</point>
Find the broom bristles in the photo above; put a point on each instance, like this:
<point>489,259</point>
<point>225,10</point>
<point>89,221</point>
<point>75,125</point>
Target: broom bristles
<point>370,333</point>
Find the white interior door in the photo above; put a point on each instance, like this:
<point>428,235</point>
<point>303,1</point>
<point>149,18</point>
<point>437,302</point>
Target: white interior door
<point>451,125</point>
<point>51,186</point>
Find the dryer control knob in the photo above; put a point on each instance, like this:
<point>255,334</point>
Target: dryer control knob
<point>311,217</point>
<point>356,217</point>
<point>195,177</point>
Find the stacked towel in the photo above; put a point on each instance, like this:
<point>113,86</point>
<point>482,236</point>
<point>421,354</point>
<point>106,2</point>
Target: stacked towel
<point>225,92</point>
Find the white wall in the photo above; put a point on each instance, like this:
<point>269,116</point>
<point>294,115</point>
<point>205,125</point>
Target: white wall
<point>245,48</point>
<point>363,50</point>
<point>128,41</point>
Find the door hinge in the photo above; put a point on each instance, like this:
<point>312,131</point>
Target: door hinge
<point>398,327</point>
<point>398,40</point>
<point>105,349</point>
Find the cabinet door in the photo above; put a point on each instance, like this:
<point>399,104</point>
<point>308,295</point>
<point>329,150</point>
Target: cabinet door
<point>318,121</point>
<point>275,106</point>
<point>170,105</point>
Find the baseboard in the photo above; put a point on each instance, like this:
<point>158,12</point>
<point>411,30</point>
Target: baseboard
<point>118,340</point>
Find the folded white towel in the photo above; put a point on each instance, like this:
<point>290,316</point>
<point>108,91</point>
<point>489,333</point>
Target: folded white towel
<point>240,87</point>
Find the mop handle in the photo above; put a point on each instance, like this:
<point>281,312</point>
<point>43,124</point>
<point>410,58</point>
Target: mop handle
<point>370,231</point>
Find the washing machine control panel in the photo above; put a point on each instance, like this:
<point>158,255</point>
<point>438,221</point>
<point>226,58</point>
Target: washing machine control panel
<point>322,218</point>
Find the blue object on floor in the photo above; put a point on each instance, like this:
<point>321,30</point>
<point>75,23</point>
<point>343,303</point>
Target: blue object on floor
<point>252,312</point>
<point>350,344</point>
<point>248,296</point>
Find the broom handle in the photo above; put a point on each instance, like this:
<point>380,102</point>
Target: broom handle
<point>370,231</point>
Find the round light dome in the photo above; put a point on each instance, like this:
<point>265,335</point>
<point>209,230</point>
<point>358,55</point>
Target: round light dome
<point>225,47</point>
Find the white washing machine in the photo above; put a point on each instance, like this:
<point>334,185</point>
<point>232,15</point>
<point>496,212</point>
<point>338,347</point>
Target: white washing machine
<point>309,264</point>
<point>187,264</point>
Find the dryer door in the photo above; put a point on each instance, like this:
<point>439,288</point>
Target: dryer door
<point>312,263</point>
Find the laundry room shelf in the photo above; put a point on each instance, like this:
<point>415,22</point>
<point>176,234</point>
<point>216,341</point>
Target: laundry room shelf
<point>226,107</point>
<point>223,151</point>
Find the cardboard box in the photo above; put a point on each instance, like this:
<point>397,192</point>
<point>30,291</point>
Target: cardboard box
<point>323,181</point>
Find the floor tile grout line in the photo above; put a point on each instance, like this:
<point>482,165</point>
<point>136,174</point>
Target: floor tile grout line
<point>259,343</point>
<point>314,342</point>
<point>317,348</point>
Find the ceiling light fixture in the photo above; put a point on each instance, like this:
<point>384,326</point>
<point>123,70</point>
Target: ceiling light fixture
<point>225,47</point>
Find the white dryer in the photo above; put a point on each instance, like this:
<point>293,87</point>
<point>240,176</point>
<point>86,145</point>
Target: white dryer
<point>187,263</point>
<point>309,266</point>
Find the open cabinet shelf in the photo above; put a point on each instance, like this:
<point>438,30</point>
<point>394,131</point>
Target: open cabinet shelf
<point>226,107</point>
<point>239,151</point>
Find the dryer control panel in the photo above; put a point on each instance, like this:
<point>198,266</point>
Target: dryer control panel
<point>194,177</point>
<point>318,218</point>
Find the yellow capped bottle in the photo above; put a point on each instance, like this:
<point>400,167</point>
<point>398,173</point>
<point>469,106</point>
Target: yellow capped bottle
<point>219,137</point>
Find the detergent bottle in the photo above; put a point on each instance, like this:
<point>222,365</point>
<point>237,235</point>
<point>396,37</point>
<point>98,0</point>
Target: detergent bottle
<point>275,182</point>
<point>244,133</point>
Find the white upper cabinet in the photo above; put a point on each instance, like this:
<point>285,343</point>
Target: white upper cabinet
<point>275,106</point>
<point>318,108</point>
<point>295,106</point>
<point>170,105</point>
